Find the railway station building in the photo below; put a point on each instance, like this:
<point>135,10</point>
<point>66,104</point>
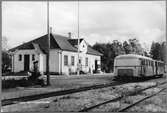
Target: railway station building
<point>63,55</point>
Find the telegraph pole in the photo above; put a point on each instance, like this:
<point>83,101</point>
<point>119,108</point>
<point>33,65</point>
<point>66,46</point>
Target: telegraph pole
<point>48,48</point>
<point>78,41</point>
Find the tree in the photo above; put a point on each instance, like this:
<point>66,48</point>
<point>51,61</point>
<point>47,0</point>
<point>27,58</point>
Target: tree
<point>109,51</point>
<point>117,47</point>
<point>105,50</point>
<point>163,53</point>
<point>127,47</point>
<point>6,59</point>
<point>155,51</point>
<point>136,46</point>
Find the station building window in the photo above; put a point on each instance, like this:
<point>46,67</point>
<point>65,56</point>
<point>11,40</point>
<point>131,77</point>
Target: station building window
<point>20,57</point>
<point>33,57</point>
<point>72,60</point>
<point>86,61</point>
<point>65,60</point>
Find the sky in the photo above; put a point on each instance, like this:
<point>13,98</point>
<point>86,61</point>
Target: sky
<point>102,22</point>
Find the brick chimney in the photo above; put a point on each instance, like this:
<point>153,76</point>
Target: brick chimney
<point>69,35</point>
<point>50,30</point>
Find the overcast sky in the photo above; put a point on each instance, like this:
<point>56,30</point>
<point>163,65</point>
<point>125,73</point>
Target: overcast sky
<point>99,21</point>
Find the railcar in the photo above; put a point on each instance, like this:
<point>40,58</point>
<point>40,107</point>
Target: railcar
<point>131,65</point>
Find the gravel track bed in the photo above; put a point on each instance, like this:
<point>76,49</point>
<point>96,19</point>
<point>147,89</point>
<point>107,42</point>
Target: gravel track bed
<point>154,104</point>
<point>78,101</point>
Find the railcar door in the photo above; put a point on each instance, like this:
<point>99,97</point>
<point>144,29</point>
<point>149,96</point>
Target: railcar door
<point>156,68</point>
<point>143,68</point>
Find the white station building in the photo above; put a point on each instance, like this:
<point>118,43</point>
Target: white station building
<point>63,55</point>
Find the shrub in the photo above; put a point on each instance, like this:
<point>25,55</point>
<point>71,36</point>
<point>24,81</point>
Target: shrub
<point>12,83</point>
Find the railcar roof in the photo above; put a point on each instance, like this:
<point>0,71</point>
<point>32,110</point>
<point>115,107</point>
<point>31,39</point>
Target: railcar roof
<point>133,56</point>
<point>130,56</point>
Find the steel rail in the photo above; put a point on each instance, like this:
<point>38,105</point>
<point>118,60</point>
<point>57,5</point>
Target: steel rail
<point>57,93</point>
<point>120,97</point>
<point>141,100</point>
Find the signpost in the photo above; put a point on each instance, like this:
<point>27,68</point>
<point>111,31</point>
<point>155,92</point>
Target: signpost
<point>48,48</point>
<point>78,64</point>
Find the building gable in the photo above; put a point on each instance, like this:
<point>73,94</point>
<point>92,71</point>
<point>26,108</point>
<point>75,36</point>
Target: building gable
<point>83,47</point>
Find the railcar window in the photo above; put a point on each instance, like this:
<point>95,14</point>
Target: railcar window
<point>142,62</point>
<point>147,62</point>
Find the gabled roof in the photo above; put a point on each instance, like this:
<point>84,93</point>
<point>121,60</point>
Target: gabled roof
<point>93,52</point>
<point>41,41</point>
<point>75,41</point>
<point>37,48</point>
<point>63,43</point>
<point>56,42</point>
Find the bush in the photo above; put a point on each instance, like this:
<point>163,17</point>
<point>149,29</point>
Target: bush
<point>12,83</point>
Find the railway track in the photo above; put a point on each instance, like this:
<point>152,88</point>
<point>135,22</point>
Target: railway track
<point>57,93</point>
<point>124,96</point>
<point>62,92</point>
<point>141,100</point>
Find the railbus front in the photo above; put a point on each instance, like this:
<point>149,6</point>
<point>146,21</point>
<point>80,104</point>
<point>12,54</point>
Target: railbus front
<point>126,66</point>
<point>130,66</point>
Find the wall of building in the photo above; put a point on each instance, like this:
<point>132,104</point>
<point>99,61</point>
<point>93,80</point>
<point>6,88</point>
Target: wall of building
<point>70,68</point>
<point>19,65</point>
<point>54,61</point>
<point>92,59</point>
<point>42,63</point>
<point>66,68</point>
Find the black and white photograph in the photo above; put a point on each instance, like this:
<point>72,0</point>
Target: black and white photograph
<point>84,56</point>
